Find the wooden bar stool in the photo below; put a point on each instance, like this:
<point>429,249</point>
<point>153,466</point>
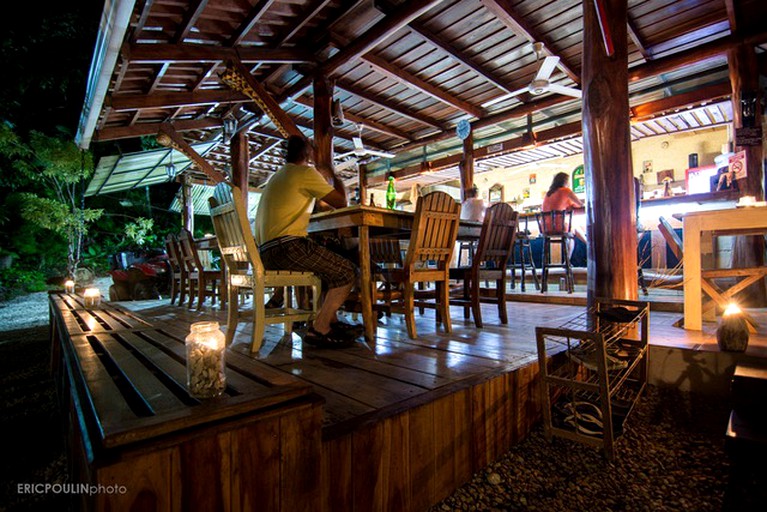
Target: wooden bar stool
<point>555,228</point>
<point>523,251</point>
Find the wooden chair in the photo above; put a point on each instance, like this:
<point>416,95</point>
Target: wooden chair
<point>494,250</point>
<point>245,270</point>
<point>178,270</point>
<point>201,282</point>
<point>720,297</point>
<point>522,256</point>
<point>435,229</point>
<point>555,228</point>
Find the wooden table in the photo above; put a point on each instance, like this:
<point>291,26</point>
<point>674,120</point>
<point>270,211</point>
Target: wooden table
<point>732,221</point>
<point>131,422</point>
<point>365,219</point>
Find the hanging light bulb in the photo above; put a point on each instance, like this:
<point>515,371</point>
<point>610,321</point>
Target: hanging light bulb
<point>170,169</point>
<point>230,126</point>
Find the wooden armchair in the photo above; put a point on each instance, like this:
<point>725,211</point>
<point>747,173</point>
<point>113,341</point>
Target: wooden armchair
<point>720,297</point>
<point>201,282</point>
<point>178,270</point>
<point>245,270</point>
<point>435,228</point>
<point>494,249</point>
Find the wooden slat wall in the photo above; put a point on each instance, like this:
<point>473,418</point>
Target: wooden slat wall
<point>414,459</point>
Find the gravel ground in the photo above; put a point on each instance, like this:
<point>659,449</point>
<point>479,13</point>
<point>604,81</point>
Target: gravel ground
<point>30,311</point>
<point>671,458</point>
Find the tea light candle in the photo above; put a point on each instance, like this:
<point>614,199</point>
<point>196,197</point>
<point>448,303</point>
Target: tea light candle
<point>69,286</point>
<point>205,360</point>
<point>92,297</point>
<point>732,333</point>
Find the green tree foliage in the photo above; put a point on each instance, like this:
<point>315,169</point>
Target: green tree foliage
<point>60,170</point>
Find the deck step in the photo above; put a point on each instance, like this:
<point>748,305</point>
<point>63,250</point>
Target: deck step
<point>749,390</point>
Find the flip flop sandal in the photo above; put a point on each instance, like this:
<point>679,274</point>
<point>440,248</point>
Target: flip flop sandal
<point>344,328</point>
<point>583,408</point>
<point>330,340</point>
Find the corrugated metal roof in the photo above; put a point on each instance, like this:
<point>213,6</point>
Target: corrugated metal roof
<point>200,195</point>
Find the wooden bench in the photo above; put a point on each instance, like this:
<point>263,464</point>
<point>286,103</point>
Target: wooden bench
<point>133,428</point>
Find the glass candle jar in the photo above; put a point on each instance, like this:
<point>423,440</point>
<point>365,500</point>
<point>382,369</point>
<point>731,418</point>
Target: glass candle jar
<point>92,297</point>
<point>69,286</point>
<point>205,347</point>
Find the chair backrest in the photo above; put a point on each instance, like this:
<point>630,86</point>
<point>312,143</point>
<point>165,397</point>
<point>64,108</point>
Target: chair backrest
<point>188,252</point>
<point>171,247</point>
<point>435,228</point>
<point>672,239</point>
<point>385,251</point>
<point>235,240</point>
<point>555,222</point>
<point>496,240</point>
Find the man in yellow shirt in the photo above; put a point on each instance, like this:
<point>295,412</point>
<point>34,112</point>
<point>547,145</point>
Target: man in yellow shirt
<point>281,234</point>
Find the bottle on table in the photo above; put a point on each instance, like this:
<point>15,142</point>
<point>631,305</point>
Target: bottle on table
<point>391,194</point>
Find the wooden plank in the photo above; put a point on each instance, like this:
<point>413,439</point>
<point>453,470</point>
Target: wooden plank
<point>422,457</point>
<point>256,466</point>
<point>146,480</point>
<point>300,452</point>
<point>367,452</point>
<point>205,464</point>
<point>338,472</point>
<point>155,53</point>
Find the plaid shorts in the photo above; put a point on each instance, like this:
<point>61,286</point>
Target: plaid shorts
<point>305,255</point>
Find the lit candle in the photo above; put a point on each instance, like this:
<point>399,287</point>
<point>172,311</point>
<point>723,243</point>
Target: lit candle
<point>92,297</point>
<point>69,286</point>
<point>205,360</point>
<point>732,333</point>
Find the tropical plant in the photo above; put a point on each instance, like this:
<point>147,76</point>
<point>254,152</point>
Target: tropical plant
<point>139,233</point>
<point>61,168</point>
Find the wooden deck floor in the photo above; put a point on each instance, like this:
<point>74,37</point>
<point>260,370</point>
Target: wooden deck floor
<point>370,381</point>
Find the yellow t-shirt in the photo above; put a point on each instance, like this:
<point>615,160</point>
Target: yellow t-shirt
<point>287,202</point>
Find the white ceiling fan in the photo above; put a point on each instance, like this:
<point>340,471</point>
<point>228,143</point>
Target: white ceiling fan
<point>360,150</point>
<point>540,84</point>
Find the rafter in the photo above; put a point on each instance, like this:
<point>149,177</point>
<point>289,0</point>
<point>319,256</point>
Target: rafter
<point>637,40</point>
<point>158,77</point>
<point>732,15</point>
<point>384,67</point>
<point>388,105</point>
<point>174,99</point>
<point>707,93</point>
<point>302,19</point>
<point>504,11</point>
<point>141,20</point>
<point>264,149</point>
<point>377,34</point>
<point>205,75</point>
<point>254,15</point>
<point>191,16</point>
<point>369,123</point>
<point>143,129</point>
<point>155,53</point>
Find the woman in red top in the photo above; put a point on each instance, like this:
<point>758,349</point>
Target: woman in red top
<point>561,197</point>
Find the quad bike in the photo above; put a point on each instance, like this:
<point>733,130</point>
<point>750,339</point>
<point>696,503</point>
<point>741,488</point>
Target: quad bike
<point>144,277</point>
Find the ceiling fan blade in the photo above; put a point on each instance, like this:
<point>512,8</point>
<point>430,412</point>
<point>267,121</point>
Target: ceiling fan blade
<point>547,68</point>
<point>345,155</point>
<point>567,91</point>
<point>382,154</point>
<point>358,144</point>
<point>346,164</point>
<point>504,97</point>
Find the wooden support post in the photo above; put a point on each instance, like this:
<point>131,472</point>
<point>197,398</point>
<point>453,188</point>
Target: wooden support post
<point>467,165</point>
<point>170,138</point>
<point>744,79</point>
<point>323,127</point>
<point>363,183</point>
<point>612,238</point>
<point>240,156</point>
<point>187,205</point>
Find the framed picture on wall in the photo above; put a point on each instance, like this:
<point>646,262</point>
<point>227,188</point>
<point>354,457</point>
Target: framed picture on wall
<point>496,193</point>
<point>666,173</point>
<point>533,179</point>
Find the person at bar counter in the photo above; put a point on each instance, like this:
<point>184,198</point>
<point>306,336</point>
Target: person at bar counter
<point>281,234</point>
<point>561,197</point>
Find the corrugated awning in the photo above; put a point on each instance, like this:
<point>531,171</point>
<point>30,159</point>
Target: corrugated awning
<point>200,195</point>
<point>132,170</point>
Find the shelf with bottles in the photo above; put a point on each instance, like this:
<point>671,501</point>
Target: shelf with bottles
<point>593,368</point>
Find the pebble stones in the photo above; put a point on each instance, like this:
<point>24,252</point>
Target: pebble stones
<point>670,457</point>
<point>206,371</point>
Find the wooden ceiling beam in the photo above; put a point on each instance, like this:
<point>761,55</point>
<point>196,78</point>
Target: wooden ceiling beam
<point>158,77</point>
<point>388,105</point>
<point>377,34</point>
<point>141,22</point>
<point>637,40</point>
<point>398,74</point>
<point>264,149</point>
<point>143,129</point>
<point>504,11</point>
<point>302,19</point>
<point>711,92</point>
<point>254,15</point>
<point>191,15</point>
<point>697,54</point>
<point>205,75</point>
<point>122,102</point>
<point>732,16</point>
<point>146,53</point>
<point>369,123</point>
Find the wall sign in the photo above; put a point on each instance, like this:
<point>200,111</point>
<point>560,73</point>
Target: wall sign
<point>579,180</point>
